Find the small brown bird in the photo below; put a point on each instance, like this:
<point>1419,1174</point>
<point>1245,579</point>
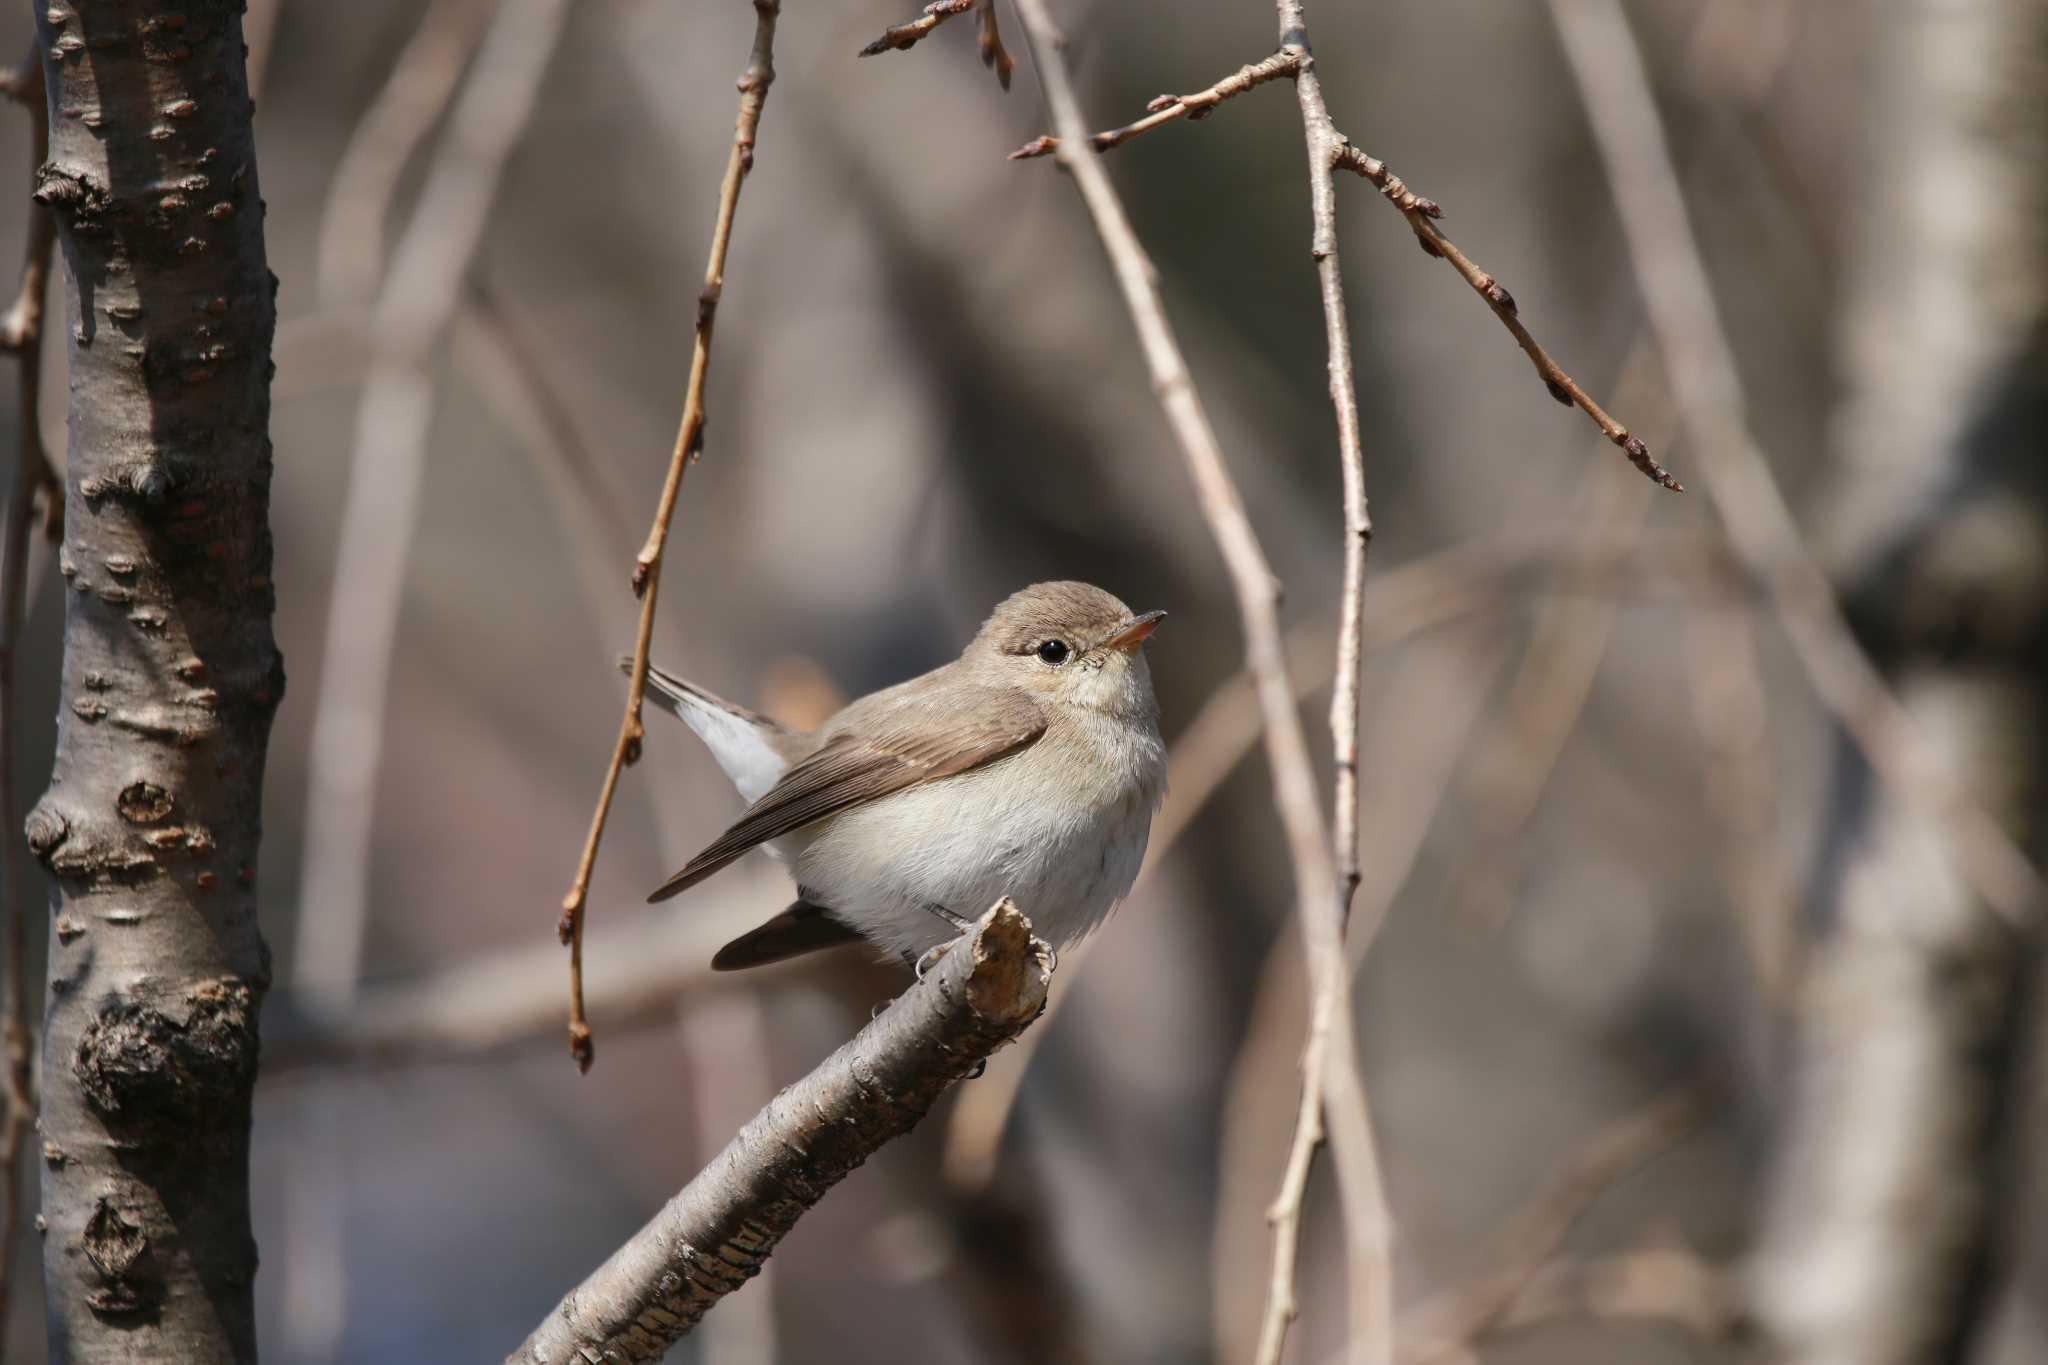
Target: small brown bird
<point>1028,767</point>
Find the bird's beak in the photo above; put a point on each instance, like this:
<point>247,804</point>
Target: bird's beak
<point>1133,632</point>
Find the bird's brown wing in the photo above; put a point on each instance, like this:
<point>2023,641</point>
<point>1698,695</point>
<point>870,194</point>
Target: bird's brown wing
<point>910,741</point>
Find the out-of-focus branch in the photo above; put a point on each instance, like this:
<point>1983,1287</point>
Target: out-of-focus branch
<point>903,37</point>
<point>1447,1324</point>
<point>498,999</point>
<point>1316,881</point>
<point>713,1236</point>
<point>21,332</point>
<point>422,81</point>
<point>412,315</point>
<point>1422,215</point>
<point>1679,300</point>
<point>753,86</point>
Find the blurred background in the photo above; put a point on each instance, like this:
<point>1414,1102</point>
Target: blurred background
<point>1639,904</point>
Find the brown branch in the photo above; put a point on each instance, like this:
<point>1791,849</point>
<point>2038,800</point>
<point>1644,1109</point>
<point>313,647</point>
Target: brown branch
<point>713,1236</point>
<point>21,332</point>
<point>1679,299</point>
<point>1167,108</point>
<point>753,87</point>
<point>1422,215</point>
<point>903,37</point>
<point>1316,881</point>
<point>1330,1048</point>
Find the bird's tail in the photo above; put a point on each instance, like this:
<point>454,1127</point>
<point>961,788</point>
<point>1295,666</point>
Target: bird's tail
<point>750,748</point>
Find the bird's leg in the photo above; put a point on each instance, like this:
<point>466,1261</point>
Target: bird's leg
<point>959,923</point>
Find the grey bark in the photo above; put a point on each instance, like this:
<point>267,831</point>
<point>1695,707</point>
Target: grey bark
<point>1883,1233</point>
<point>149,828</point>
<point>713,1236</point>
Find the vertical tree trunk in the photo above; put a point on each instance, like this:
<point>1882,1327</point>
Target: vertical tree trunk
<point>171,676</point>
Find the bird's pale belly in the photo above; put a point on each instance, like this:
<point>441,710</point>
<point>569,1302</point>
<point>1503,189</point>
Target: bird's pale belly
<point>963,842</point>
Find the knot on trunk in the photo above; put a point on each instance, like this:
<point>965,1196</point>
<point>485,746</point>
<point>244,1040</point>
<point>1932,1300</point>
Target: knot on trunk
<point>140,1068</point>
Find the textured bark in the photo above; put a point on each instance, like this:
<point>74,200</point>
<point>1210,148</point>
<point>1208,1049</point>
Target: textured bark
<point>713,1236</point>
<point>170,678</point>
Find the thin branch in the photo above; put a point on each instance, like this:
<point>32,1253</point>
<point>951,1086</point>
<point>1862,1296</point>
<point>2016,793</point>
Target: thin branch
<point>1167,108</point>
<point>713,1236</point>
<point>1679,300</point>
<point>21,332</point>
<point>903,37</point>
<point>753,87</point>
<point>412,316</point>
<point>1330,1029</point>
<point>1294,786</point>
<point>1422,215</point>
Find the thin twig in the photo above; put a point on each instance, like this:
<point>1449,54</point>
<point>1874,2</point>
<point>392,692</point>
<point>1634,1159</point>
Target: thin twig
<point>1365,1204</point>
<point>1166,108</point>
<point>1679,300</point>
<point>21,332</point>
<point>713,1236</point>
<point>1294,786</point>
<point>1422,215</point>
<point>903,37</point>
<point>753,87</point>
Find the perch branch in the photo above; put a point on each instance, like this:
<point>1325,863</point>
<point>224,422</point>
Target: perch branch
<point>713,1236</point>
<point>1679,301</point>
<point>1294,785</point>
<point>753,87</point>
<point>21,331</point>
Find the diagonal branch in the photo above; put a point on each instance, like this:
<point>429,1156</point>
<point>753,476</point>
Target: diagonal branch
<point>1422,214</point>
<point>713,1236</point>
<point>903,37</point>
<point>753,87</point>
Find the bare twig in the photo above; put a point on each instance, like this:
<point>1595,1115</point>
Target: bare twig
<point>753,87</point>
<point>1422,215</point>
<point>1449,1322</point>
<point>422,81</point>
<point>412,315</point>
<point>903,37</point>
<point>21,332</point>
<point>1365,1204</point>
<point>1166,108</point>
<point>1713,409</point>
<point>1316,882</point>
<point>714,1235</point>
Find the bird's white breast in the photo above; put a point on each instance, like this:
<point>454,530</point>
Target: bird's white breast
<point>1060,827</point>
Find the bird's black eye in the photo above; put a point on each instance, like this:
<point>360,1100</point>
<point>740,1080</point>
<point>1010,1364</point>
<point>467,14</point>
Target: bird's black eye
<point>1053,652</point>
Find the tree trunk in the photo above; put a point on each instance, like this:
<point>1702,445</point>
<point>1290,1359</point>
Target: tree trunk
<point>171,676</point>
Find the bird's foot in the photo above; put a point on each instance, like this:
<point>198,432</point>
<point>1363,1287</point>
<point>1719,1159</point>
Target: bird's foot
<point>929,959</point>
